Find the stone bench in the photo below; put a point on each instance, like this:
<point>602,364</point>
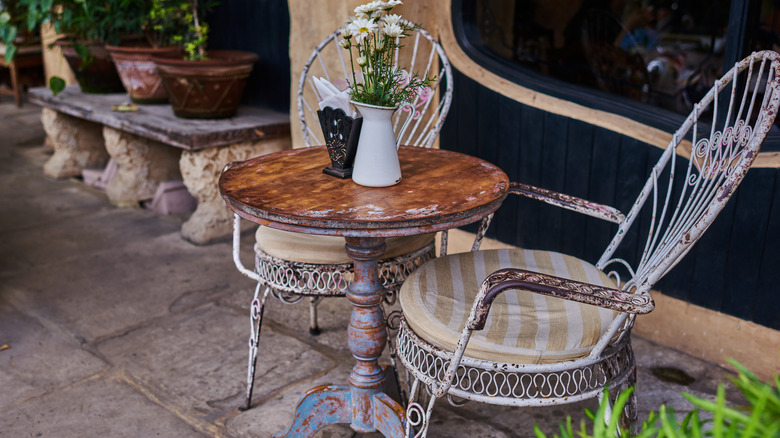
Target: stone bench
<point>152,145</point>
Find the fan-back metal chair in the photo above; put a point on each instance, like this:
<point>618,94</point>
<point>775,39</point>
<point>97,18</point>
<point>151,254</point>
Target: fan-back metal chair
<point>537,328</point>
<point>293,266</point>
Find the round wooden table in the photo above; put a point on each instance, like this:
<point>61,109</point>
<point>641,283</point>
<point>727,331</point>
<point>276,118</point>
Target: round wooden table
<point>287,190</point>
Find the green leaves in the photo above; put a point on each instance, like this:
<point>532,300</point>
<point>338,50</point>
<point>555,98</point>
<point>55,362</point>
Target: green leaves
<point>86,56</point>
<point>10,52</point>
<point>603,426</point>
<point>56,85</point>
<point>761,419</point>
<point>8,32</point>
<point>177,22</point>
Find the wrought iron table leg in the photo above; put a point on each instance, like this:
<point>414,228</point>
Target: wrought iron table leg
<point>362,404</point>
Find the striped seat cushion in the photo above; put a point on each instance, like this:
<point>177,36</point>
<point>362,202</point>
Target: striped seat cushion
<point>522,327</point>
<point>327,250</point>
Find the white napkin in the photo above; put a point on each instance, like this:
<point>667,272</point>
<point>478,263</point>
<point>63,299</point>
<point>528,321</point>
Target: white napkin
<point>333,97</point>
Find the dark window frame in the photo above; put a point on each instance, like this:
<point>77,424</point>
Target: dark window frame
<point>464,23</point>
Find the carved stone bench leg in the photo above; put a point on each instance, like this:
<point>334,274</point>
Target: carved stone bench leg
<point>77,143</point>
<point>200,170</point>
<point>142,164</point>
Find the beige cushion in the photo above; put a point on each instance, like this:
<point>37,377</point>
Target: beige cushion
<point>310,248</point>
<point>522,327</point>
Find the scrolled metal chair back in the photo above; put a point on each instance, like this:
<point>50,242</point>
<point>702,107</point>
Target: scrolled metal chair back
<point>419,53</point>
<point>723,135</point>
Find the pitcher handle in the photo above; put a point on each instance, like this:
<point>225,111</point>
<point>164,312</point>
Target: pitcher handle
<point>406,123</point>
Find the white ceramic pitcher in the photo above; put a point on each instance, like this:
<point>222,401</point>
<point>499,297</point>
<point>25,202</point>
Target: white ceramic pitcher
<point>376,161</point>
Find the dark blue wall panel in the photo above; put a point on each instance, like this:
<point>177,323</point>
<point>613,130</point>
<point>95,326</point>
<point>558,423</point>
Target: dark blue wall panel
<point>262,27</point>
<point>734,269</point>
<point>766,305</point>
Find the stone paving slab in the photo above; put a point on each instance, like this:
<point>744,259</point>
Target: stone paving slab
<point>98,407</point>
<point>332,314</point>
<point>109,291</point>
<point>70,238</point>
<point>197,361</point>
<point>22,128</point>
<point>39,359</point>
<point>274,415</point>
<point>46,203</point>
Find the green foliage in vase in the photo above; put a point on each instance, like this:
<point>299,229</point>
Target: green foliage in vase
<point>760,419</point>
<point>375,34</point>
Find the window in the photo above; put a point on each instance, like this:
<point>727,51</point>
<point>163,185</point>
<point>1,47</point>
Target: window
<point>649,60</point>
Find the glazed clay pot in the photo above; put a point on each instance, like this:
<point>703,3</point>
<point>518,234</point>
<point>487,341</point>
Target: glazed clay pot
<point>139,72</point>
<point>97,76</point>
<point>209,89</point>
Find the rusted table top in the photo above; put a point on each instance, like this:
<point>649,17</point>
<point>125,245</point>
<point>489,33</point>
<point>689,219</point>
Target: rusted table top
<point>439,190</point>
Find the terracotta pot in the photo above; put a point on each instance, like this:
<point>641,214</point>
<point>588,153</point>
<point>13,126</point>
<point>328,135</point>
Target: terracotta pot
<point>139,72</point>
<point>97,76</point>
<point>209,89</point>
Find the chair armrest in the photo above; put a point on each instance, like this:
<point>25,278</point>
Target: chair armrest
<point>505,279</point>
<point>573,203</point>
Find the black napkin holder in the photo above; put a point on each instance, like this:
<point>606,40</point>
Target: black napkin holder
<point>341,134</point>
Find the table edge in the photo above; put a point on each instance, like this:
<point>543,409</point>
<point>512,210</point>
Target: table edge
<point>367,229</point>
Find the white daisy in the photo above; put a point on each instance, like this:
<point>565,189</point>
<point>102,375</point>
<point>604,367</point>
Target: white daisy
<point>392,30</point>
<point>365,11</point>
<point>362,28</point>
<point>392,19</point>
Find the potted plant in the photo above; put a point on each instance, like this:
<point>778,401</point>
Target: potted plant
<point>378,88</point>
<point>87,25</point>
<point>134,59</point>
<point>202,84</point>
<point>14,31</point>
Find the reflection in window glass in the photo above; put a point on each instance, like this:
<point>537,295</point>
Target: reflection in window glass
<point>661,52</point>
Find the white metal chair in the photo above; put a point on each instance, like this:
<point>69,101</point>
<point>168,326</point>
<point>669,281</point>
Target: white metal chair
<point>536,328</point>
<point>293,266</point>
